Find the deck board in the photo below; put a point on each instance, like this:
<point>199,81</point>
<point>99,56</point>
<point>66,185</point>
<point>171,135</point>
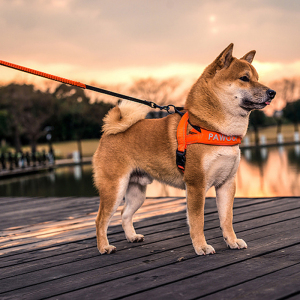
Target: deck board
<point>48,250</point>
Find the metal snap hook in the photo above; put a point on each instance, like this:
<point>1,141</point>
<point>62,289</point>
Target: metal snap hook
<point>170,109</point>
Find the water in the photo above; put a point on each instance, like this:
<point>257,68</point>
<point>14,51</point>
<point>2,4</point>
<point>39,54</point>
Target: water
<point>62,182</point>
<point>266,172</point>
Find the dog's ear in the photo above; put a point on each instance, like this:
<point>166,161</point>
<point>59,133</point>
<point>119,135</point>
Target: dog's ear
<point>221,62</point>
<point>249,56</point>
<point>225,58</point>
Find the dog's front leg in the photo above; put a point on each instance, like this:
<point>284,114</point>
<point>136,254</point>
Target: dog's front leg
<point>195,212</point>
<point>225,197</point>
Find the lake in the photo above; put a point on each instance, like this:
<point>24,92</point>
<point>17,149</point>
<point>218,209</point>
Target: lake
<point>263,172</point>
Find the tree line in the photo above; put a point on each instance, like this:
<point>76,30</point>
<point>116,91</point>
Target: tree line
<point>28,114</point>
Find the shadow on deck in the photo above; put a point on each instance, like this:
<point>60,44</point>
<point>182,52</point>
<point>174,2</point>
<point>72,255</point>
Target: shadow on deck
<point>48,250</point>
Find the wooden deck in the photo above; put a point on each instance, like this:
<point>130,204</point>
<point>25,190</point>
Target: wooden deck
<point>48,250</point>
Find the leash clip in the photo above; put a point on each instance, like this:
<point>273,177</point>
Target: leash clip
<point>168,109</point>
<point>153,105</point>
<point>172,109</point>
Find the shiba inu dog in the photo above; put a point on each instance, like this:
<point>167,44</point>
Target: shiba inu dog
<point>133,151</point>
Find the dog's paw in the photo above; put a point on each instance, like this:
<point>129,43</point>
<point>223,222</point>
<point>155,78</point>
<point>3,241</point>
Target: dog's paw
<point>136,238</point>
<point>236,244</point>
<point>205,249</point>
<point>107,249</point>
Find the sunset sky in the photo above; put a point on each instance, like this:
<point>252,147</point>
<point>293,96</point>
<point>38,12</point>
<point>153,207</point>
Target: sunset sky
<point>117,41</point>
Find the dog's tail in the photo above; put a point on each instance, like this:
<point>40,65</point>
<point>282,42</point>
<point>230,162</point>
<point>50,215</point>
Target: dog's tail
<point>123,116</point>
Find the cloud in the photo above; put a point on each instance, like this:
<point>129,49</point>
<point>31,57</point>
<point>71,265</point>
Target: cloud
<point>127,38</point>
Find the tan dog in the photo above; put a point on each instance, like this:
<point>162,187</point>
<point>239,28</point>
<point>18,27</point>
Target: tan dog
<point>134,150</point>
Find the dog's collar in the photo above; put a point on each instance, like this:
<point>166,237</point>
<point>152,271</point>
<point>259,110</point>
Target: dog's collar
<point>199,135</point>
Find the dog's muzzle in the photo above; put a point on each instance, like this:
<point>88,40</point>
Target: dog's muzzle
<point>250,105</point>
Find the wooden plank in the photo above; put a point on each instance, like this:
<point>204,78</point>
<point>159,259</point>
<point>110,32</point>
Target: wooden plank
<point>188,241</point>
<point>181,223</point>
<point>88,283</point>
<point>277,285</point>
<point>130,263</point>
<point>6,200</point>
<point>113,230</point>
<point>288,205</point>
<point>157,234</point>
<point>41,217</point>
<point>166,258</point>
<point>15,237</point>
<point>42,203</point>
<point>10,204</point>
<point>37,211</point>
<point>80,212</point>
<point>210,282</point>
<point>71,254</point>
<point>295,296</point>
<point>213,211</point>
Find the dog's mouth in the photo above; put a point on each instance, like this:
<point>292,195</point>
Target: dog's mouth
<point>250,105</point>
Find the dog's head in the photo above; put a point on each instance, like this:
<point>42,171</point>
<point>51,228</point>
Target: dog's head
<point>235,82</point>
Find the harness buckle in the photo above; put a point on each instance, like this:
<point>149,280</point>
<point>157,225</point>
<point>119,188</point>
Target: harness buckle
<point>180,159</point>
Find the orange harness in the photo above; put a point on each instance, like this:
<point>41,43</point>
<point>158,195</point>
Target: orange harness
<point>201,136</point>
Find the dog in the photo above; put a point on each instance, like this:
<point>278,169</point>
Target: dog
<point>133,151</point>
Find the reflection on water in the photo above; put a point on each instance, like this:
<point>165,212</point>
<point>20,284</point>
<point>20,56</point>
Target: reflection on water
<point>263,172</point>
<point>268,172</point>
<point>62,182</point>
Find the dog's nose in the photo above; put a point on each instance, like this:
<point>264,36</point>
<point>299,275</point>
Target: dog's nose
<point>271,93</point>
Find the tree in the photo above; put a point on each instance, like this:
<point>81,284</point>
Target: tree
<point>11,104</point>
<point>75,116</point>
<point>36,111</point>
<point>162,92</point>
<point>27,111</point>
<point>257,119</point>
<point>4,130</point>
<point>292,113</point>
<point>288,91</point>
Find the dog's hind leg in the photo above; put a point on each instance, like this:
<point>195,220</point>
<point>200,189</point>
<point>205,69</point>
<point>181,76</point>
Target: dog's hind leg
<point>135,197</point>
<point>111,195</point>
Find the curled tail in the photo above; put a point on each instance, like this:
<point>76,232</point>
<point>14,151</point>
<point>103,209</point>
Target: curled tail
<point>123,116</point>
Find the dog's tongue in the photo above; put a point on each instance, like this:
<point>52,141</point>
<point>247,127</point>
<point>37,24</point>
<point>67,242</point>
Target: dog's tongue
<point>268,102</point>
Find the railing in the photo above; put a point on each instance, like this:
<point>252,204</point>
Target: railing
<point>10,161</point>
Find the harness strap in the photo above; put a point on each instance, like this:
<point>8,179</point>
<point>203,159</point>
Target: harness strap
<point>199,136</point>
<point>181,132</point>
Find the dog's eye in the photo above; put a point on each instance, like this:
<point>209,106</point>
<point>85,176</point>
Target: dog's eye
<point>245,78</point>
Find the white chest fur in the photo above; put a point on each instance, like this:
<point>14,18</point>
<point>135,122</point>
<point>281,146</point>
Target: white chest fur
<point>220,165</point>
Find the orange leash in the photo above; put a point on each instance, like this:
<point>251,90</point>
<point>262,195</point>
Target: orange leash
<point>38,73</point>
<point>204,136</point>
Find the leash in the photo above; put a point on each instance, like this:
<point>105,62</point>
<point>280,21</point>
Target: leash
<point>170,109</point>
